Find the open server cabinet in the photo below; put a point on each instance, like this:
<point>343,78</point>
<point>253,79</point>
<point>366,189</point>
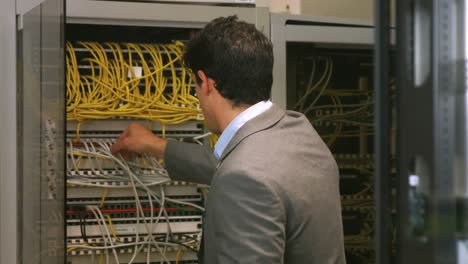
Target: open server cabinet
<point>327,68</point>
<point>432,125</point>
<point>73,207</point>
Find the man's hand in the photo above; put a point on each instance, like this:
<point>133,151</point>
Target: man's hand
<point>136,139</point>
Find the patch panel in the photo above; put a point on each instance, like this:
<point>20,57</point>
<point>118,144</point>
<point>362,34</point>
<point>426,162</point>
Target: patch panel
<point>95,181</point>
<point>185,258</point>
<point>130,226</point>
<point>116,201</point>
<point>128,214</point>
<point>113,127</point>
<point>172,251</point>
<point>171,189</point>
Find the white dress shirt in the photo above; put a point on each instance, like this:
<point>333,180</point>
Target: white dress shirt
<point>237,123</point>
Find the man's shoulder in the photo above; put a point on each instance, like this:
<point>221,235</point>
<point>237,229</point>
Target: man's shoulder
<point>290,143</point>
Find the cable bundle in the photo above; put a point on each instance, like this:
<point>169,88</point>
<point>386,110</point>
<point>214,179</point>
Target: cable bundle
<point>143,81</point>
<point>337,107</point>
<point>97,153</point>
<point>141,185</point>
<point>137,81</point>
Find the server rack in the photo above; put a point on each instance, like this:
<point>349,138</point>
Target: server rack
<point>57,222</point>
<point>324,68</point>
<point>432,131</point>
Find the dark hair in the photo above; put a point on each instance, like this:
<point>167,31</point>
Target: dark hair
<point>237,56</point>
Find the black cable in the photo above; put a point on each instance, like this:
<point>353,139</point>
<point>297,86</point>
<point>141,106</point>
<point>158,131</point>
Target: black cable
<point>178,243</point>
<point>83,226</point>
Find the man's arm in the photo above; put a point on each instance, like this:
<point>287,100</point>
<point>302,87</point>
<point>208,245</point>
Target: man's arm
<point>246,221</point>
<point>136,139</point>
<point>184,161</point>
<point>189,162</point>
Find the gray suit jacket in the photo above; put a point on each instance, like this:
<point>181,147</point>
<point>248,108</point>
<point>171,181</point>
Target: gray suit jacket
<point>274,195</point>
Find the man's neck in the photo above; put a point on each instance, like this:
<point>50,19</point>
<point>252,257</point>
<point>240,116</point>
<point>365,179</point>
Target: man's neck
<point>228,113</point>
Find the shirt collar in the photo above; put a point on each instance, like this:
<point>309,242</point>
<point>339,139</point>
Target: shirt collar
<point>237,123</point>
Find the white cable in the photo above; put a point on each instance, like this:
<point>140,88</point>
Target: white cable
<point>148,254</point>
<point>186,203</point>
<point>143,181</point>
<point>136,250</point>
<point>132,178</point>
<point>197,138</point>
<point>99,216</point>
<point>99,164</point>
<point>72,157</point>
<point>160,174</point>
<point>102,234</point>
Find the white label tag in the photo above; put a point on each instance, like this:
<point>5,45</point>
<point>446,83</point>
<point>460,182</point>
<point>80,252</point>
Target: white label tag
<point>125,229</point>
<point>137,72</point>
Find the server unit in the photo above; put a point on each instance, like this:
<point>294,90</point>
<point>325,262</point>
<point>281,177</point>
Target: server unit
<point>324,69</point>
<point>87,73</point>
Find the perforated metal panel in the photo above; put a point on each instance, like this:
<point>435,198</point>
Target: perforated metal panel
<point>427,130</point>
<point>42,139</point>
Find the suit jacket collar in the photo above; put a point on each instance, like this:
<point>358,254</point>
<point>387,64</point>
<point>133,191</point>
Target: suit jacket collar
<point>261,122</point>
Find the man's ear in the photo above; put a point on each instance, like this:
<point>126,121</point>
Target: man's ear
<point>207,84</point>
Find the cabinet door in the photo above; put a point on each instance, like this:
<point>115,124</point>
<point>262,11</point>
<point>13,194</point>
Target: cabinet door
<point>42,113</point>
<point>427,129</point>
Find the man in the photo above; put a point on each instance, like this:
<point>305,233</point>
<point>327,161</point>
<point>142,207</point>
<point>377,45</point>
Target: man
<point>274,194</point>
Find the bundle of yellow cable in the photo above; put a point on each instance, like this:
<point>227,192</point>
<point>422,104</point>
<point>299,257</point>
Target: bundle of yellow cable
<point>129,80</point>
